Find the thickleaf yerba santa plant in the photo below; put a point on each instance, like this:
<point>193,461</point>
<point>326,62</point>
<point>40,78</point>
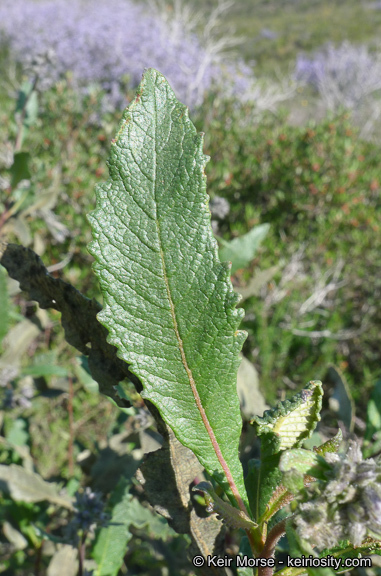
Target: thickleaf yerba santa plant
<point>170,310</point>
<point>170,313</point>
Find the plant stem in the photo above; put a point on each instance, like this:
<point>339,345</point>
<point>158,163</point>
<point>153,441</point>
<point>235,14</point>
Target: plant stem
<point>71,428</point>
<point>82,553</point>
<point>269,548</point>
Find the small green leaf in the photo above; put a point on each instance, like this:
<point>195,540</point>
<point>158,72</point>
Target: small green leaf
<point>84,376</point>
<point>297,463</point>
<point>372,437</point>
<point>20,168</point>
<point>259,279</point>
<point>331,446</point>
<point>111,542</point>
<point>241,251</point>
<point>230,516</point>
<point>17,433</point>
<point>27,100</point>
<point>341,400</point>
<point>169,303</point>
<point>110,546</point>
<point>283,427</point>
<point>291,421</point>
<point>42,370</point>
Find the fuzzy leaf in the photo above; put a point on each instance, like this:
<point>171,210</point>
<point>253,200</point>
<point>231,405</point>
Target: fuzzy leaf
<point>25,486</point>
<point>331,445</point>
<point>283,427</point>
<point>169,304</point>
<point>346,550</point>
<point>291,421</point>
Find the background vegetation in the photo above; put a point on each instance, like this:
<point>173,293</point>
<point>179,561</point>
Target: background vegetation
<point>292,129</point>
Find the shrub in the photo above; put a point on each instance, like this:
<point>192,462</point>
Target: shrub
<point>319,188</point>
<point>343,75</point>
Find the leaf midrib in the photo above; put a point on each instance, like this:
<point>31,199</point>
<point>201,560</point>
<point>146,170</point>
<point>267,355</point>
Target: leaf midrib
<point>192,382</point>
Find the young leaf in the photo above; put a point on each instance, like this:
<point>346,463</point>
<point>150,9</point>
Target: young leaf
<point>169,304</point>
<point>291,421</point>
<point>330,446</point>
<point>297,463</point>
<point>283,427</point>
<point>229,515</point>
<point>346,550</point>
<point>241,251</point>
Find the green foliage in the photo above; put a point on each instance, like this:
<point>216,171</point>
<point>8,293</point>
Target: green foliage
<point>291,421</point>
<point>317,185</point>
<point>153,224</point>
<point>372,439</point>
<point>241,251</point>
<point>281,428</point>
<point>20,168</point>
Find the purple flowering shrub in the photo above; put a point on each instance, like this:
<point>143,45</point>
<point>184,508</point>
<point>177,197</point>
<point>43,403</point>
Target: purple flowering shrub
<point>343,76</point>
<point>104,42</point>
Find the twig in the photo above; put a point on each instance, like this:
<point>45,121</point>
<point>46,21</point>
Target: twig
<point>71,428</point>
<point>82,553</point>
<point>60,265</point>
<point>340,335</point>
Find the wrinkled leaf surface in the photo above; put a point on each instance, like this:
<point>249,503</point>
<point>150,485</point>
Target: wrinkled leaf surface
<point>169,304</point>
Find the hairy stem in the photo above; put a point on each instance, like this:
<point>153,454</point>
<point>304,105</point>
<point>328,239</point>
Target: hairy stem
<point>269,548</point>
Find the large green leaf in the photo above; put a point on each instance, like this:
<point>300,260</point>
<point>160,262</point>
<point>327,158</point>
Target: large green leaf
<point>169,304</point>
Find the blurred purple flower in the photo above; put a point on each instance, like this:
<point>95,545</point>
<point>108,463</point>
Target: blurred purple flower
<point>343,76</point>
<point>106,42</point>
